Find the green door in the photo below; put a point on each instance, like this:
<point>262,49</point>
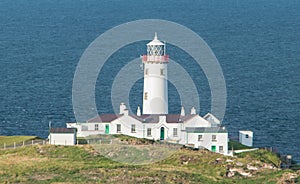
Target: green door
<point>106,129</point>
<point>162,133</point>
<point>213,148</point>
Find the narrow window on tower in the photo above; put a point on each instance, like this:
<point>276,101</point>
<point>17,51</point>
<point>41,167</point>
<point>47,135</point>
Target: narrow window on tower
<point>162,72</point>
<point>146,96</point>
<point>146,71</point>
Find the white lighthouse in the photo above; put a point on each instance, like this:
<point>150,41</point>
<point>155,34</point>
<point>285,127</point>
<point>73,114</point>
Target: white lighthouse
<point>153,121</point>
<point>155,96</point>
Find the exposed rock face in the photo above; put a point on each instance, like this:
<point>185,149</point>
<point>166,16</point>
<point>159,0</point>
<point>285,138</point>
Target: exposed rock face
<point>253,168</point>
<point>287,178</point>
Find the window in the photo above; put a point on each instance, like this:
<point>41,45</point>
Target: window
<point>149,132</point>
<point>200,138</point>
<point>84,128</point>
<point>118,128</point>
<point>175,132</point>
<point>96,127</point>
<point>133,128</point>
<point>214,138</point>
<point>162,72</point>
<point>221,149</point>
<point>146,71</point>
<point>247,136</point>
<point>146,96</point>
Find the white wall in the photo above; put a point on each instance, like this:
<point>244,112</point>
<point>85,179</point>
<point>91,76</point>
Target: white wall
<point>206,142</point>
<point>126,122</point>
<point>244,139</point>
<point>156,87</point>
<point>197,121</point>
<point>62,138</point>
<point>86,129</point>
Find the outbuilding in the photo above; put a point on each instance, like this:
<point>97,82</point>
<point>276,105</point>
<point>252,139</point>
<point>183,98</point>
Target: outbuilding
<point>62,136</point>
<point>246,138</point>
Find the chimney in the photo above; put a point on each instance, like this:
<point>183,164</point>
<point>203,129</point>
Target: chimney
<point>182,112</point>
<point>126,112</point>
<point>122,108</point>
<point>162,118</point>
<point>193,110</point>
<point>138,112</point>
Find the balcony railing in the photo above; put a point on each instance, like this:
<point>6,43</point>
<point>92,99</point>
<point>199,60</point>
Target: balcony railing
<point>160,59</point>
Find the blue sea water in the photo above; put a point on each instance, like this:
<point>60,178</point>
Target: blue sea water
<point>257,43</point>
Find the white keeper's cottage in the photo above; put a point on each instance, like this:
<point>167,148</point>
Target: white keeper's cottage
<point>153,121</point>
<point>62,136</point>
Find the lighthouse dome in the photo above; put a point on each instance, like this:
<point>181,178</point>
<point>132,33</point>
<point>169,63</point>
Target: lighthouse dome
<point>155,41</point>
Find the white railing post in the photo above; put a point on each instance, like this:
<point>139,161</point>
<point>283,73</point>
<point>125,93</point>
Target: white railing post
<point>32,142</point>
<point>14,145</point>
<point>23,143</point>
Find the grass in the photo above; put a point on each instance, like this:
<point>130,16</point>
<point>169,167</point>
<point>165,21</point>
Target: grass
<point>237,146</point>
<point>82,164</point>
<point>263,156</point>
<point>10,140</point>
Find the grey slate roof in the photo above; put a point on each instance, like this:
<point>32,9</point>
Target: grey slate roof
<point>170,118</point>
<point>145,118</point>
<point>205,130</point>
<point>104,118</point>
<point>62,130</point>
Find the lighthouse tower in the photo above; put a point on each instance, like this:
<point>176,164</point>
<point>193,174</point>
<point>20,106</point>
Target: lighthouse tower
<point>155,96</point>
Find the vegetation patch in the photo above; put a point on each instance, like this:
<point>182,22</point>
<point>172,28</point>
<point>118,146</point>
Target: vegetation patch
<point>10,140</point>
<point>84,164</point>
<point>237,146</point>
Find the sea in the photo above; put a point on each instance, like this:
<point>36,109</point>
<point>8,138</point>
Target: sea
<point>256,42</point>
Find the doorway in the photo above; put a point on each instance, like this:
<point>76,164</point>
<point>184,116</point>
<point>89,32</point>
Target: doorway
<point>106,129</point>
<point>162,133</point>
<point>213,148</point>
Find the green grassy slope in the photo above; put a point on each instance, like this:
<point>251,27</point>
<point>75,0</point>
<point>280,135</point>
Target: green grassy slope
<point>9,140</point>
<point>81,164</point>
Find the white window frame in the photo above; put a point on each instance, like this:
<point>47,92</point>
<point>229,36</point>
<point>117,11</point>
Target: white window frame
<point>200,137</point>
<point>221,150</point>
<point>119,128</point>
<point>133,128</point>
<point>175,132</point>
<point>149,132</point>
<point>214,138</point>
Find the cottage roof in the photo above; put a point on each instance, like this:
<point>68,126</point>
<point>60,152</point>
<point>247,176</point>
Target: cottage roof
<point>206,129</point>
<point>170,118</point>
<point>104,118</point>
<point>62,130</point>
